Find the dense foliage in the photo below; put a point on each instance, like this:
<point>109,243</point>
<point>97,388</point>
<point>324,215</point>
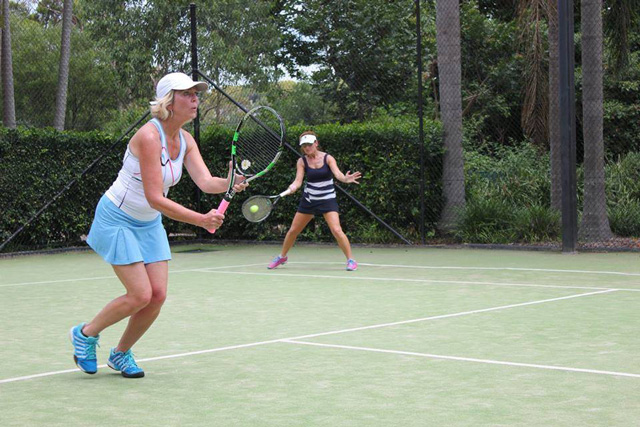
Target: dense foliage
<point>346,68</point>
<point>45,161</point>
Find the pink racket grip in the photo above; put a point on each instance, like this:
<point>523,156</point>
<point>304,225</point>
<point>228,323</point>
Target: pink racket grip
<point>221,209</point>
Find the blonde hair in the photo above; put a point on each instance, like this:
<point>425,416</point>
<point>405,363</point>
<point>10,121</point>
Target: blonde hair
<point>159,109</point>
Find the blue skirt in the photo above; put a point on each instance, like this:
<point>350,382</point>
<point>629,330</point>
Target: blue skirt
<point>121,239</point>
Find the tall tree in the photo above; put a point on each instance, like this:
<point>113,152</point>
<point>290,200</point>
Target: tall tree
<point>362,51</point>
<point>63,69</point>
<point>595,222</point>
<point>8,103</point>
<point>535,108</point>
<point>237,40</point>
<point>450,73</point>
<point>554,107</point>
<point>620,19</point>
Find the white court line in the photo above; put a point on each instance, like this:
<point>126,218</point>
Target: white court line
<point>171,356</point>
<point>548,270</point>
<point>446,316</point>
<point>391,279</point>
<point>467,359</point>
<point>341,331</point>
<point>83,279</point>
<point>362,264</point>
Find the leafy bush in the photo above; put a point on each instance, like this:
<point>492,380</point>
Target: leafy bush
<point>507,197</point>
<point>518,175</point>
<point>44,161</point>
<point>486,220</point>
<point>623,195</point>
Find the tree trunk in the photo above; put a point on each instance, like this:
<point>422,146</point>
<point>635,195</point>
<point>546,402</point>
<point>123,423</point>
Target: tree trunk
<point>63,70</point>
<point>8,100</point>
<point>450,74</point>
<point>554,109</point>
<point>595,222</point>
<point>535,106</point>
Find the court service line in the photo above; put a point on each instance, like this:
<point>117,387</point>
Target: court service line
<point>466,359</point>
<point>44,282</point>
<point>394,279</point>
<point>340,331</point>
<point>428,267</point>
<point>84,279</point>
<point>446,316</point>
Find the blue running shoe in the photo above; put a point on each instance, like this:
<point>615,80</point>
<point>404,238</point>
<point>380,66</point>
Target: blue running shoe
<point>124,363</point>
<point>84,349</point>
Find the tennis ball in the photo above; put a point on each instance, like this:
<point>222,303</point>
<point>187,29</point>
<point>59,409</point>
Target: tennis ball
<point>254,208</point>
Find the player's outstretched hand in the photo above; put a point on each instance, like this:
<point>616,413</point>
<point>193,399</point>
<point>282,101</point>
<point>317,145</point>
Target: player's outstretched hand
<point>212,220</point>
<point>352,178</point>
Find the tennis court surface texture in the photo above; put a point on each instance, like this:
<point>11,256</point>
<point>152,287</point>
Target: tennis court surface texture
<point>415,337</point>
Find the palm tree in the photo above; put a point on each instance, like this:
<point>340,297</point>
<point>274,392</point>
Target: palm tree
<point>620,19</point>
<point>595,222</point>
<point>554,107</point>
<point>535,108</point>
<point>8,103</point>
<point>63,71</point>
<point>541,107</point>
<point>450,73</point>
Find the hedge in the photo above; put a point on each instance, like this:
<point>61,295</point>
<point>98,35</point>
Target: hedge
<point>40,162</point>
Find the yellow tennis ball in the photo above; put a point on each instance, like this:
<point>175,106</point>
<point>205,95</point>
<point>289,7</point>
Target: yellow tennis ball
<point>254,208</point>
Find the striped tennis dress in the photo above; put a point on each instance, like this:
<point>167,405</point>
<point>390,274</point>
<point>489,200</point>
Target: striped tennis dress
<point>319,195</point>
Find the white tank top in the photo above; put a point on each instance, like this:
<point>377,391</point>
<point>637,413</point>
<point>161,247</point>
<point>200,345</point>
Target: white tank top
<point>127,192</point>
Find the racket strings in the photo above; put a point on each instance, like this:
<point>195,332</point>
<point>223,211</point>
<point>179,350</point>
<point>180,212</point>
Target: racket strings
<point>258,148</point>
<point>257,208</point>
<point>259,141</point>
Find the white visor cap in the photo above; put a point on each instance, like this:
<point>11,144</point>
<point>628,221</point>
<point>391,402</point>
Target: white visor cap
<point>177,81</point>
<point>308,139</point>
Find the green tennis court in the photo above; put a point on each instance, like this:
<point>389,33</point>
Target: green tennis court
<point>415,337</point>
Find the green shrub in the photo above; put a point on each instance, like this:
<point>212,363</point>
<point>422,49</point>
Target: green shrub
<point>518,175</point>
<point>624,218</point>
<point>537,223</point>
<point>623,195</point>
<point>44,161</point>
<point>486,220</point>
<point>508,196</point>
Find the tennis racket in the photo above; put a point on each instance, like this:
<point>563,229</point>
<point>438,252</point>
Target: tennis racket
<point>258,208</point>
<point>257,144</point>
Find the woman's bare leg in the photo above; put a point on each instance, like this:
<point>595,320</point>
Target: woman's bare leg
<point>298,224</point>
<point>333,220</point>
<point>136,281</point>
<point>140,322</point>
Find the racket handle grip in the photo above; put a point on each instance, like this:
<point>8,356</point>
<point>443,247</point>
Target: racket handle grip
<point>221,209</point>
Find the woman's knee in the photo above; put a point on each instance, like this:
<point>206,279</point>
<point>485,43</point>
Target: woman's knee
<point>336,231</point>
<point>140,299</point>
<point>293,232</point>
<point>158,297</point>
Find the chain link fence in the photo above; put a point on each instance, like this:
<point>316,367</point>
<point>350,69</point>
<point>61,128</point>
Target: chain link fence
<point>490,154</point>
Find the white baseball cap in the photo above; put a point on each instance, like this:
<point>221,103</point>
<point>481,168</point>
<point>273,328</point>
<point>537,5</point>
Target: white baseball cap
<point>308,139</point>
<point>177,81</point>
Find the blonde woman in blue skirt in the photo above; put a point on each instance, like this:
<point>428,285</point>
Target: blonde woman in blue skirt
<point>127,230</point>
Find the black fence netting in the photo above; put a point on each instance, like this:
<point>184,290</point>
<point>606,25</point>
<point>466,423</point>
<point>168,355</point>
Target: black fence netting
<point>475,159</point>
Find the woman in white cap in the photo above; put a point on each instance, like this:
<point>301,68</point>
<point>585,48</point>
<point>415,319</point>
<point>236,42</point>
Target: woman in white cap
<point>127,229</point>
<point>318,197</point>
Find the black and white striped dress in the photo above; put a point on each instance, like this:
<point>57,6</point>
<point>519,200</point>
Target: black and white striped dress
<point>319,195</point>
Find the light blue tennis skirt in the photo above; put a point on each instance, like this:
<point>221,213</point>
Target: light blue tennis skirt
<point>121,239</point>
